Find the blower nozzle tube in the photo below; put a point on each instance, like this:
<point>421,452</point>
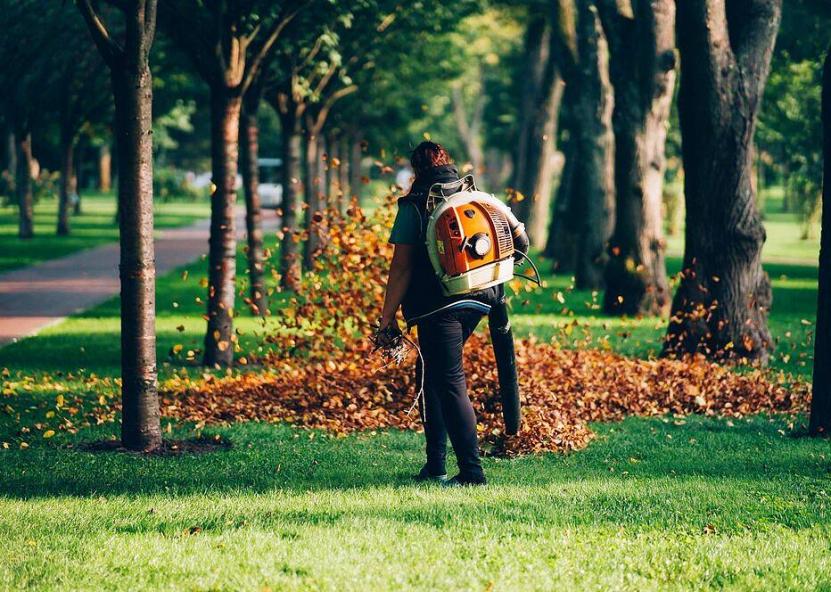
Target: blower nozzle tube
<point>503,350</point>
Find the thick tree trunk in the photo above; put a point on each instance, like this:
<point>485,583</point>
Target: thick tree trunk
<point>133,90</point>
<point>593,190</point>
<point>536,148</point>
<point>104,169</point>
<point>642,67</point>
<point>562,241</point>
<point>721,306</point>
<point>249,153</point>
<point>820,423</point>
<point>222,254</point>
<point>292,142</point>
<point>23,184</point>
<point>68,180</point>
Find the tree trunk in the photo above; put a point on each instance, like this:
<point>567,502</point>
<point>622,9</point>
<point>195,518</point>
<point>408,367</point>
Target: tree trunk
<point>343,173</point>
<point>76,186</point>
<point>356,155</point>
<point>11,155</point>
<point>721,306</point>
<point>469,127</point>
<point>820,422</point>
<point>292,198</point>
<point>68,180</point>
<point>104,169</point>
<point>332,162</point>
<point>222,254</point>
<point>314,202</point>
<point>536,147</point>
<point>133,91</point>
<point>249,153</point>
<point>562,241</point>
<point>593,190</point>
<point>23,184</point>
<point>642,68</point>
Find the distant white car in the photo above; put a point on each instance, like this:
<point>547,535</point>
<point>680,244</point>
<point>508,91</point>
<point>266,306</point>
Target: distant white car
<point>271,182</point>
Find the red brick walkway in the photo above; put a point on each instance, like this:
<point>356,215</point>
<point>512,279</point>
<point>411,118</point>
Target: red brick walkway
<point>41,295</point>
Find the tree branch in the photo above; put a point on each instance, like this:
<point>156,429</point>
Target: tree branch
<point>109,49</point>
<point>320,119</point>
<point>151,12</point>
<point>280,23</point>
<point>752,26</point>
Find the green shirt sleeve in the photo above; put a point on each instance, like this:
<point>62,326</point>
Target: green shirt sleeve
<point>406,229</point>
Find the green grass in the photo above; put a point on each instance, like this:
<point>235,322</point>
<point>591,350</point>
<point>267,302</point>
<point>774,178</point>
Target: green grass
<point>650,505</point>
<point>664,503</point>
<point>94,226</point>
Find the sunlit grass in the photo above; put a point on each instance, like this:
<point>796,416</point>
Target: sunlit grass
<point>664,503</point>
<point>94,226</point>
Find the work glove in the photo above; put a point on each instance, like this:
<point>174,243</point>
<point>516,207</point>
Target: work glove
<point>388,338</point>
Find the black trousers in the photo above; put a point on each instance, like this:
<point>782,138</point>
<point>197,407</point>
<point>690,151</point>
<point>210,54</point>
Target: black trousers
<point>447,410</point>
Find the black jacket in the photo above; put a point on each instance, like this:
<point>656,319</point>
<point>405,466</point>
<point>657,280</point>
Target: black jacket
<point>424,296</point>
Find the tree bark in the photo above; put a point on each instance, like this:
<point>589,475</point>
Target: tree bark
<point>68,180</point>
<point>562,241</point>
<point>642,68</point>
<point>11,155</point>
<point>23,184</point>
<point>292,142</point>
<point>356,155</point>
<point>536,146</point>
<point>313,185</point>
<point>331,166</point>
<point>343,173</point>
<point>469,127</point>
<point>249,154</point>
<point>721,306</point>
<point>104,169</point>
<point>133,91</point>
<point>222,252</point>
<point>593,184</point>
<point>820,422</point>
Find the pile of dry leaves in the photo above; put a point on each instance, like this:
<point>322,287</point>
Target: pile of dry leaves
<point>321,374</point>
<point>562,390</point>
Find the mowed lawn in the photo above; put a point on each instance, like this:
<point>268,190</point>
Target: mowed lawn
<point>666,503</point>
<point>94,226</point>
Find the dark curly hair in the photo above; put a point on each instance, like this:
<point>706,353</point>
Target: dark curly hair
<point>428,155</point>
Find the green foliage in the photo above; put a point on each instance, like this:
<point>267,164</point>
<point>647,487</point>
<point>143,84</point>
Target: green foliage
<point>789,135</point>
<point>170,183</point>
<point>166,126</point>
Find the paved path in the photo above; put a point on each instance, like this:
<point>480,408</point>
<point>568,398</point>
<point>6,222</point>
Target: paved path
<point>41,295</point>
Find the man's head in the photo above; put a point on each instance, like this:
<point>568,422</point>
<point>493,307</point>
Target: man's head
<point>428,155</point>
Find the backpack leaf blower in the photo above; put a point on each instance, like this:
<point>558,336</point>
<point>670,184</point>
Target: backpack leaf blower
<point>474,242</point>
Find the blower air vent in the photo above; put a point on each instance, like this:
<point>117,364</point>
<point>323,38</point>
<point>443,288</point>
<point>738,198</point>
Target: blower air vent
<point>504,240</point>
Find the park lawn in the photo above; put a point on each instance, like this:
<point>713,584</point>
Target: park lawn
<point>93,227</point>
<point>662,503</point>
<point>652,504</point>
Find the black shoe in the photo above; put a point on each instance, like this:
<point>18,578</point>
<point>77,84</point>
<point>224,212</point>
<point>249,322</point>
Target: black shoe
<point>425,475</point>
<point>459,481</point>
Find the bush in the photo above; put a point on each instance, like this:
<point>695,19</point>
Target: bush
<point>169,184</point>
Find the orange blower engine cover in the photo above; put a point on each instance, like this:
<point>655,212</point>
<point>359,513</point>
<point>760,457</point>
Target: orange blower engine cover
<point>471,235</point>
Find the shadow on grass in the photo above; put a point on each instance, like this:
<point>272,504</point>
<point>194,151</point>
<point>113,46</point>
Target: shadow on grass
<point>263,457</point>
